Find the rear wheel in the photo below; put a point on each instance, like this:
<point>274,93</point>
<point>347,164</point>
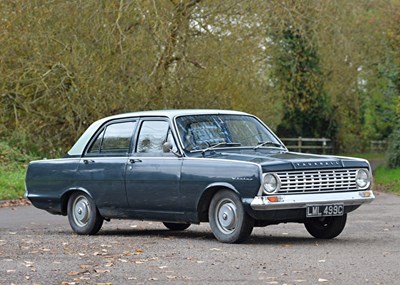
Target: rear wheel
<point>177,226</point>
<point>326,227</point>
<point>228,220</point>
<point>83,215</point>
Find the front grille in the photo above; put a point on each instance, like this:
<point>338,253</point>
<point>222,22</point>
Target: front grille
<point>317,181</point>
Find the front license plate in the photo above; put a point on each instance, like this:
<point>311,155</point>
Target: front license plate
<point>325,210</point>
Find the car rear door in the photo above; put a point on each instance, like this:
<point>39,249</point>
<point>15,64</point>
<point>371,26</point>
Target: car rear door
<point>102,168</point>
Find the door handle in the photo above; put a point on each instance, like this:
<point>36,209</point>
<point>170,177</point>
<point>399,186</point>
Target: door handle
<point>87,161</point>
<point>134,160</point>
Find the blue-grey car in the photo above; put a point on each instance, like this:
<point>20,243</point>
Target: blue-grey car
<point>184,167</point>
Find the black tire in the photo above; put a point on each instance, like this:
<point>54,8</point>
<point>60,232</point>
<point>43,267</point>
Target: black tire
<point>327,227</point>
<point>228,220</point>
<point>83,215</point>
<point>177,226</point>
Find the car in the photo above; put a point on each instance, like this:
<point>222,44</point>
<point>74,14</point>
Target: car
<point>183,167</point>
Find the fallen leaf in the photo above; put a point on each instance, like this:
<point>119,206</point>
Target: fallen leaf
<point>84,266</point>
<point>101,271</point>
<point>28,263</point>
<point>172,277</point>
<point>76,273</point>
<point>127,253</point>
<point>82,278</point>
<point>73,273</point>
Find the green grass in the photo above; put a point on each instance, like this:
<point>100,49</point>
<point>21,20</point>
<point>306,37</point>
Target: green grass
<point>388,178</point>
<point>12,183</point>
<point>12,171</point>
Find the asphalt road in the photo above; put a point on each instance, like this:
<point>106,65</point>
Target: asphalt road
<point>39,248</point>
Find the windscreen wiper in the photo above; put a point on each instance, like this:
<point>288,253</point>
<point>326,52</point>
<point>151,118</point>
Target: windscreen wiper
<point>220,144</point>
<point>261,144</point>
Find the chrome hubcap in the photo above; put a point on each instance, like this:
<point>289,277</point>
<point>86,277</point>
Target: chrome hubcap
<point>81,211</point>
<point>226,216</point>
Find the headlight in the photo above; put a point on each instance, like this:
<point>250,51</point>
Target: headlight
<point>363,179</point>
<point>271,183</point>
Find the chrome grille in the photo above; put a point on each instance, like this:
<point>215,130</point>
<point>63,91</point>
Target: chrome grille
<point>317,181</point>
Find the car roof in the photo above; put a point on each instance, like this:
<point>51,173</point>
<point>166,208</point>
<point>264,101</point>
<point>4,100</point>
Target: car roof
<point>174,113</point>
<point>80,144</point>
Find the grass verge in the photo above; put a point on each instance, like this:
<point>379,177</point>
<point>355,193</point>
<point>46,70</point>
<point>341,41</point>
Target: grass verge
<point>12,184</point>
<point>388,178</point>
<point>12,172</point>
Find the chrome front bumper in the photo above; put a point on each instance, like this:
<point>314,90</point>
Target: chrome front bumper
<point>285,202</point>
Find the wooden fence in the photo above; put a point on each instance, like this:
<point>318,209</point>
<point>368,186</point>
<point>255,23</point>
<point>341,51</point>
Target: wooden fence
<point>300,144</point>
<point>378,146</point>
<point>324,145</point>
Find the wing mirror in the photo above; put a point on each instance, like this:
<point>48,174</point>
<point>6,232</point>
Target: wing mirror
<point>167,148</point>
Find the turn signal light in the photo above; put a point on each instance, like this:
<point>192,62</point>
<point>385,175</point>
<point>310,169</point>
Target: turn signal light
<point>273,199</point>
<point>365,194</point>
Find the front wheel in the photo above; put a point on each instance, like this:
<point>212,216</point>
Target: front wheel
<point>327,227</point>
<point>83,215</point>
<point>228,220</point>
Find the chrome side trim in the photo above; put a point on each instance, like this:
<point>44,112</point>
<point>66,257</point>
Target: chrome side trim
<point>301,201</point>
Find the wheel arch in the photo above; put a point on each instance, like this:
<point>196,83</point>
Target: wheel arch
<point>65,197</point>
<point>205,199</point>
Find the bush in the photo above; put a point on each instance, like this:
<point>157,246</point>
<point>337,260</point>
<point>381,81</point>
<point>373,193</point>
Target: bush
<point>393,151</point>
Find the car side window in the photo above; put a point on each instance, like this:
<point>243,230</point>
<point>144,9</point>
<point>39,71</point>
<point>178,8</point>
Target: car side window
<point>114,139</point>
<point>152,136</point>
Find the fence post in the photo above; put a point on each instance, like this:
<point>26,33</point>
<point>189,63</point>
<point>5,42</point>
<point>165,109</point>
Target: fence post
<point>324,145</point>
<point>299,144</point>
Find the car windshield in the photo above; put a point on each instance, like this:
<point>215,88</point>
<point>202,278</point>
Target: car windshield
<point>206,132</point>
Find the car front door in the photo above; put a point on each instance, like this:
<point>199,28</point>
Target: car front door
<point>153,174</point>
